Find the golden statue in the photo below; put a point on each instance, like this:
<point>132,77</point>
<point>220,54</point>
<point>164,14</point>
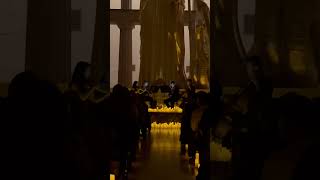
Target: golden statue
<point>200,68</point>
<point>162,40</point>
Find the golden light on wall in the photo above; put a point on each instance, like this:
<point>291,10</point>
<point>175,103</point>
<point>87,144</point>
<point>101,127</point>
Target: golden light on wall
<point>296,61</point>
<point>195,78</point>
<point>219,153</point>
<point>198,35</point>
<point>203,80</point>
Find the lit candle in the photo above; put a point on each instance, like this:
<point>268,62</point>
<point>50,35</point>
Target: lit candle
<point>196,162</point>
<point>197,159</point>
<point>197,155</point>
<point>112,177</point>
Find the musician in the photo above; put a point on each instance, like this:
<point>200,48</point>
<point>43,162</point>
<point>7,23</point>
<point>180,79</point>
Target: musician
<point>146,88</point>
<point>174,95</point>
<point>81,85</point>
<point>147,94</point>
<point>80,78</point>
<point>135,86</point>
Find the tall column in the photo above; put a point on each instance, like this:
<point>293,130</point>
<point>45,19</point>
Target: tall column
<point>125,52</point>
<point>125,55</point>
<point>101,46</point>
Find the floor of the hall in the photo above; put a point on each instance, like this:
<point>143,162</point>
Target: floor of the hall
<point>159,158</point>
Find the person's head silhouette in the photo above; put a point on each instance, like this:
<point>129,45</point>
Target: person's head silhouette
<point>81,75</point>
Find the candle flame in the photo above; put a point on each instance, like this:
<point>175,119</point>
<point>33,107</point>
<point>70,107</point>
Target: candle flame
<point>166,109</point>
<point>171,125</point>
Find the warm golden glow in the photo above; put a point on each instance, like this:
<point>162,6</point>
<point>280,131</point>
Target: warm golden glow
<point>198,36</point>
<point>171,125</point>
<point>203,80</point>
<point>195,78</point>
<point>165,109</point>
<point>112,177</point>
<point>297,63</point>
<point>219,153</point>
<point>177,44</point>
<point>177,47</point>
<point>197,160</point>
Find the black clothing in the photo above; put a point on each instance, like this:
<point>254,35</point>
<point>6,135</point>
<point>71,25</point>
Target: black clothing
<point>174,96</point>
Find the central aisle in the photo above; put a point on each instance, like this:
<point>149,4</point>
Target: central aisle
<point>161,159</point>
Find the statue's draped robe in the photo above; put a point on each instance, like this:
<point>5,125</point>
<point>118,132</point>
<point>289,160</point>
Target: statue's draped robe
<point>201,73</point>
<point>162,40</point>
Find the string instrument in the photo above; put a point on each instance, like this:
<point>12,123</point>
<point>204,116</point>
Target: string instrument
<point>95,95</point>
<point>143,92</point>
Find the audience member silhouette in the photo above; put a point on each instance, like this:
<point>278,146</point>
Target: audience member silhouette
<point>88,130</point>
<point>124,120</point>
<point>191,90</point>
<point>209,121</point>
<point>196,115</point>
<point>80,78</point>
<point>257,113</point>
<point>37,130</point>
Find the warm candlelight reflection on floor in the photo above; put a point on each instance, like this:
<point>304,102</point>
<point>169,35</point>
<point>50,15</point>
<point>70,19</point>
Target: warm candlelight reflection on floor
<point>161,157</point>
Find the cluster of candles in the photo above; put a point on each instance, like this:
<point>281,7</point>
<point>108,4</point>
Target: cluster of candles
<point>197,160</point>
<point>165,109</point>
<point>166,125</point>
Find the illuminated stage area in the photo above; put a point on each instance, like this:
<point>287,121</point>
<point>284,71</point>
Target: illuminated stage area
<point>166,117</point>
